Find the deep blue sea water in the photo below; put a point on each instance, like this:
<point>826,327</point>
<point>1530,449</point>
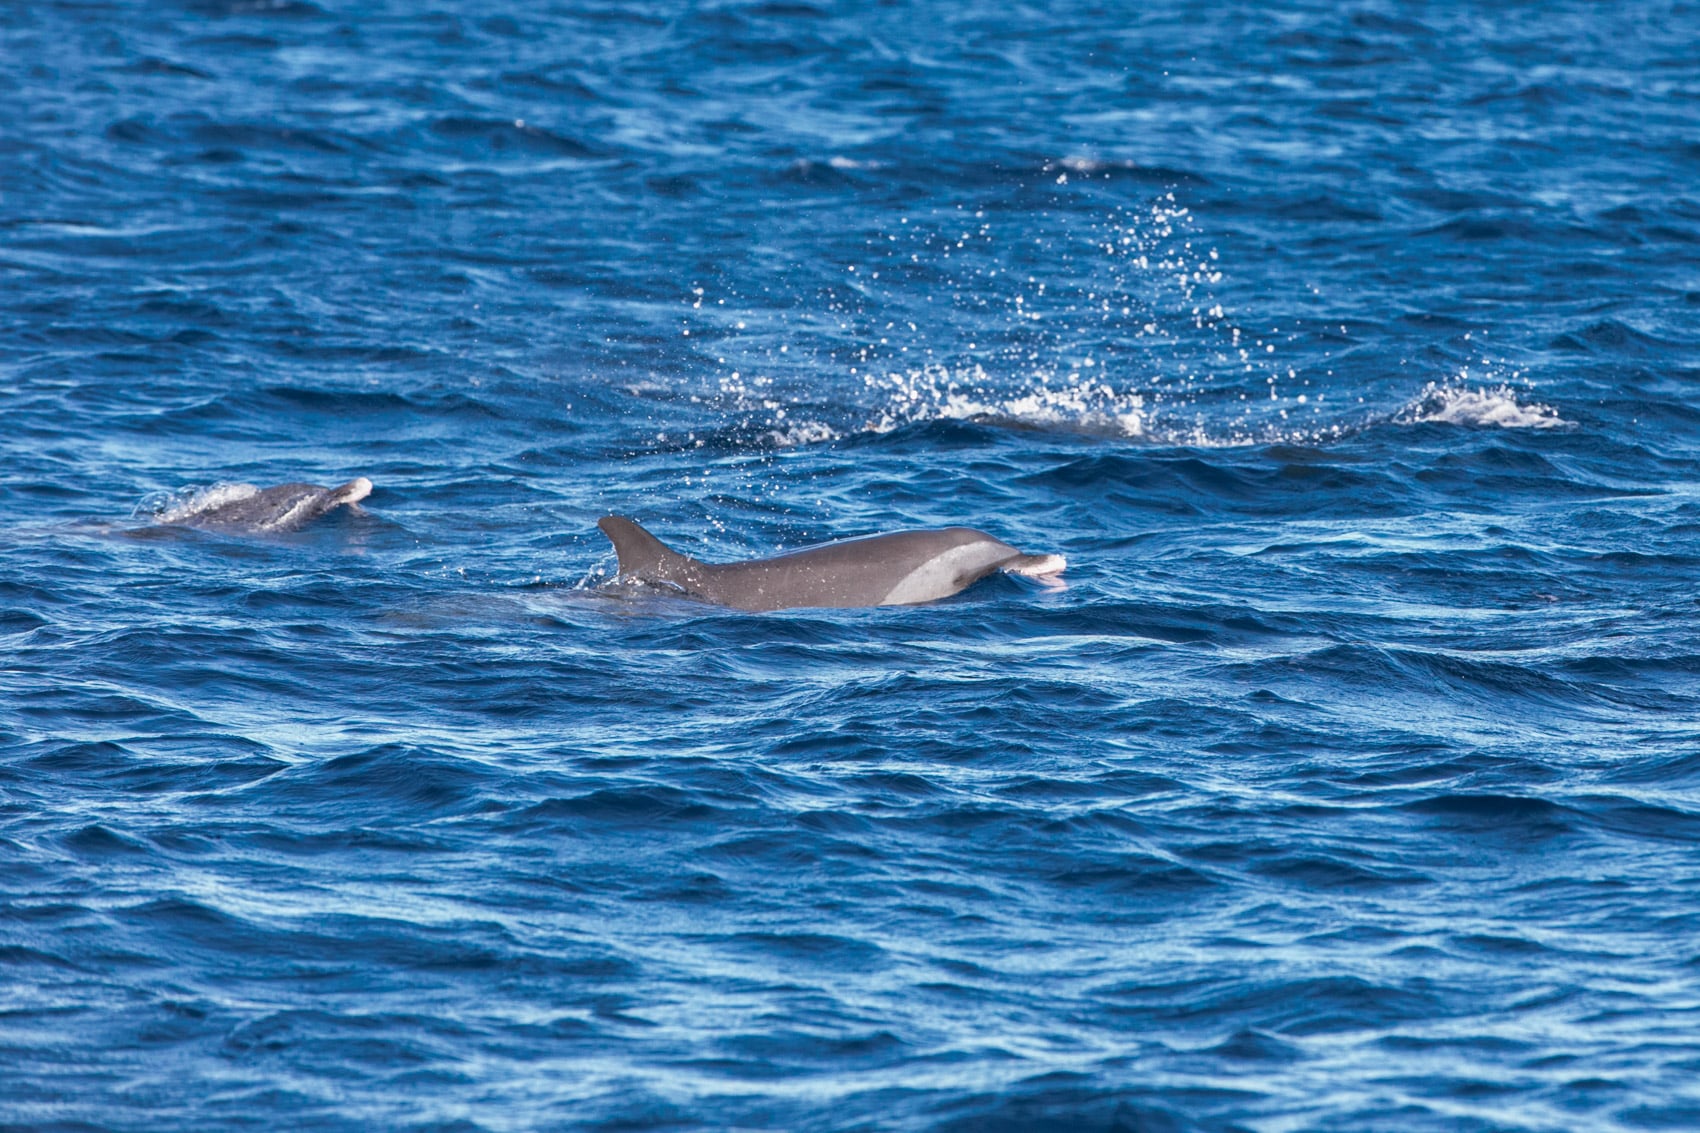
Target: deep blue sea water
<point>1351,354</point>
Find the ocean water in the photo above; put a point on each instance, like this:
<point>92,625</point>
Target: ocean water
<point>1350,353</point>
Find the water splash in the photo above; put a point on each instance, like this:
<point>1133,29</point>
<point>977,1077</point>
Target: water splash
<point>1073,402</point>
<point>1450,404</point>
<point>185,503</point>
<point>1107,325</point>
<point>794,433</point>
<point>1095,326</point>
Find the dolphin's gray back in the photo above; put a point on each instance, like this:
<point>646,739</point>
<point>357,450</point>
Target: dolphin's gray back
<point>901,568</point>
<point>898,569</point>
<point>282,508</point>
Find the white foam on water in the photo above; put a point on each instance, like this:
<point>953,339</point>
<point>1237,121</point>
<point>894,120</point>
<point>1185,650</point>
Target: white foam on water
<point>1073,402</point>
<point>1069,402</point>
<point>185,503</point>
<point>790,434</point>
<point>1484,406</point>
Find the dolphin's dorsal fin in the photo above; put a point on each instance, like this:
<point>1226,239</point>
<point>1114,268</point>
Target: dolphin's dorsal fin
<point>640,552</point>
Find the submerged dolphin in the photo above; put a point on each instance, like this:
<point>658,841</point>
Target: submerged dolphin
<point>899,569</point>
<point>282,508</point>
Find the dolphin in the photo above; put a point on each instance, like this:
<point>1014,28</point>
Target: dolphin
<point>283,508</point>
<point>898,569</point>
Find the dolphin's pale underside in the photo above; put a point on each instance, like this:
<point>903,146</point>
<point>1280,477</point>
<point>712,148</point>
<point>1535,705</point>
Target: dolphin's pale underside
<point>283,508</point>
<point>898,569</point>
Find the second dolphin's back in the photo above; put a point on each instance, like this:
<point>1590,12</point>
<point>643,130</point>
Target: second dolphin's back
<point>283,508</point>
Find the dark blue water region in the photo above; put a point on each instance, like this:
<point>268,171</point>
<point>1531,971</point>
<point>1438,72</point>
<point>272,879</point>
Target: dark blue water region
<point>1349,353</point>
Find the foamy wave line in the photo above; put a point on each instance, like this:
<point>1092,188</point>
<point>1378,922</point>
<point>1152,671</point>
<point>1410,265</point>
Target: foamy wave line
<point>1460,405</point>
